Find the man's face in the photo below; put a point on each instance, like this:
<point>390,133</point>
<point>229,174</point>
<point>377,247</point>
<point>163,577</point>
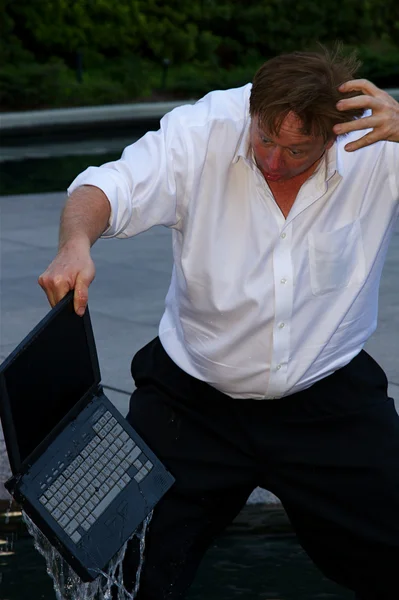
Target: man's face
<point>290,153</point>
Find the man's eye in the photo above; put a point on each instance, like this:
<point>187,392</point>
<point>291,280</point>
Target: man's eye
<point>265,141</point>
<point>296,152</point>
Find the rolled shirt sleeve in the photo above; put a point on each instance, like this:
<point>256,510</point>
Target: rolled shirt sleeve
<point>145,184</point>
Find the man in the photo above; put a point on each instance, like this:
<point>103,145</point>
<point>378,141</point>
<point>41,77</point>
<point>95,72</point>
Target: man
<point>258,377</point>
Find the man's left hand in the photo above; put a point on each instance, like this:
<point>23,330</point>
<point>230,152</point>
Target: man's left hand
<point>385,118</point>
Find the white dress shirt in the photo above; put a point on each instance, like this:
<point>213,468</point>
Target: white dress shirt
<point>259,306</point>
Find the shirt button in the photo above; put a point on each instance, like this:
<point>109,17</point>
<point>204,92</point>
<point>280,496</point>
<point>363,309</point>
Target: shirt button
<point>281,325</point>
<point>278,367</point>
<point>283,235</point>
<point>283,280</point>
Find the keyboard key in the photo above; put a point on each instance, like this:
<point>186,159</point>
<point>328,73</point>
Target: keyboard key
<point>75,537</point>
<point>103,460</point>
<point>52,489</point>
<point>85,525</point>
<point>71,527</point>
<point>107,471</point>
<point>139,476</point>
<point>91,489</point>
<point>133,454</point>
<point>148,465</point>
<point>77,462</point>
<point>90,504</point>
<point>116,430</point>
<point>63,521</point>
<point>68,472</point>
<point>66,502</point>
<point>84,511</point>
<point>103,433</point>
<point>74,477</point>
<point>86,495</point>
<point>107,485</point>
<point>79,518</point>
<point>85,481</point>
<point>53,502</point>
<point>129,444</point>
<point>70,512</point>
<point>91,519</point>
<point>125,436</point>
<point>90,475</point>
<point>56,513</point>
<point>114,476</point>
<point>69,485</point>
<point>84,467</point>
<point>106,501</point>
<point>103,420</point>
<point>102,477</point>
<point>121,484</point>
<point>64,490</point>
<point>113,464</point>
<point>80,501</point>
<point>59,496</point>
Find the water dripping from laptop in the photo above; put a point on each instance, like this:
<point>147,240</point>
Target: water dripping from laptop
<point>68,586</point>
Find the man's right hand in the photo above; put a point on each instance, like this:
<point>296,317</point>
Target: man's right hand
<point>72,269</point>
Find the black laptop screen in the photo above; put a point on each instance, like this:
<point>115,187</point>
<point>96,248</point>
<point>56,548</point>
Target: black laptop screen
<point>49,376</point>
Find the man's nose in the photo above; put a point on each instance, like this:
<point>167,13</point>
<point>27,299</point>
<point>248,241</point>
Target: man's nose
<point>274,159</point>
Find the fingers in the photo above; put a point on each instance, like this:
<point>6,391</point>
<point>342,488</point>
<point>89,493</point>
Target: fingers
<point>358,102</point>
<point>356,125</point>
<point>55,289</point>
<point>384,120</point>
<point>366,140</point>
<point>81,295</point>
<point>68,272</point>
<point>361,85</point>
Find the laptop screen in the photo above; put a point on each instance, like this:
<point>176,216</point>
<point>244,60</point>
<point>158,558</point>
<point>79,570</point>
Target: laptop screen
<point>46,376</point>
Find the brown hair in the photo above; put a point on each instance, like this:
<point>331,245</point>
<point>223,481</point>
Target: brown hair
<point>305,83</point>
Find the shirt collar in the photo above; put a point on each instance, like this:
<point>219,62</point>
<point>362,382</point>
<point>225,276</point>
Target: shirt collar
<point>243,147</point>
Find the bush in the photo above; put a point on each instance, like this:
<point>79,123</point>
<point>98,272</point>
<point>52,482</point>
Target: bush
<point>380,66</point>
<point>30,86</point>
<point>35,86</point>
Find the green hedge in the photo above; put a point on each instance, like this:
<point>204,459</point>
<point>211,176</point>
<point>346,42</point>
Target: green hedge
<point>30,86</point>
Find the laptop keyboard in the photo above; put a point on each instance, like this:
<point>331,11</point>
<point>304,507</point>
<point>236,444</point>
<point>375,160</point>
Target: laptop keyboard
<point>76,494</point>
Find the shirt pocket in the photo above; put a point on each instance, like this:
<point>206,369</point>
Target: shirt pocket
<point>336,258</point>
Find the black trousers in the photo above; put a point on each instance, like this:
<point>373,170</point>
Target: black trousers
<point>330,453</point>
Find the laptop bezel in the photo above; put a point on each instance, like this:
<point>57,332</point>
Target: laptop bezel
<point>19,466</point>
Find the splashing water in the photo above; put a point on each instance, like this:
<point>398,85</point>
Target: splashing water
<point>68,586</point>
<point>8,512</point>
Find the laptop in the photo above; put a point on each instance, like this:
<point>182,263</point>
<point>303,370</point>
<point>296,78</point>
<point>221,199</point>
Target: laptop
<point>80,471</point>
